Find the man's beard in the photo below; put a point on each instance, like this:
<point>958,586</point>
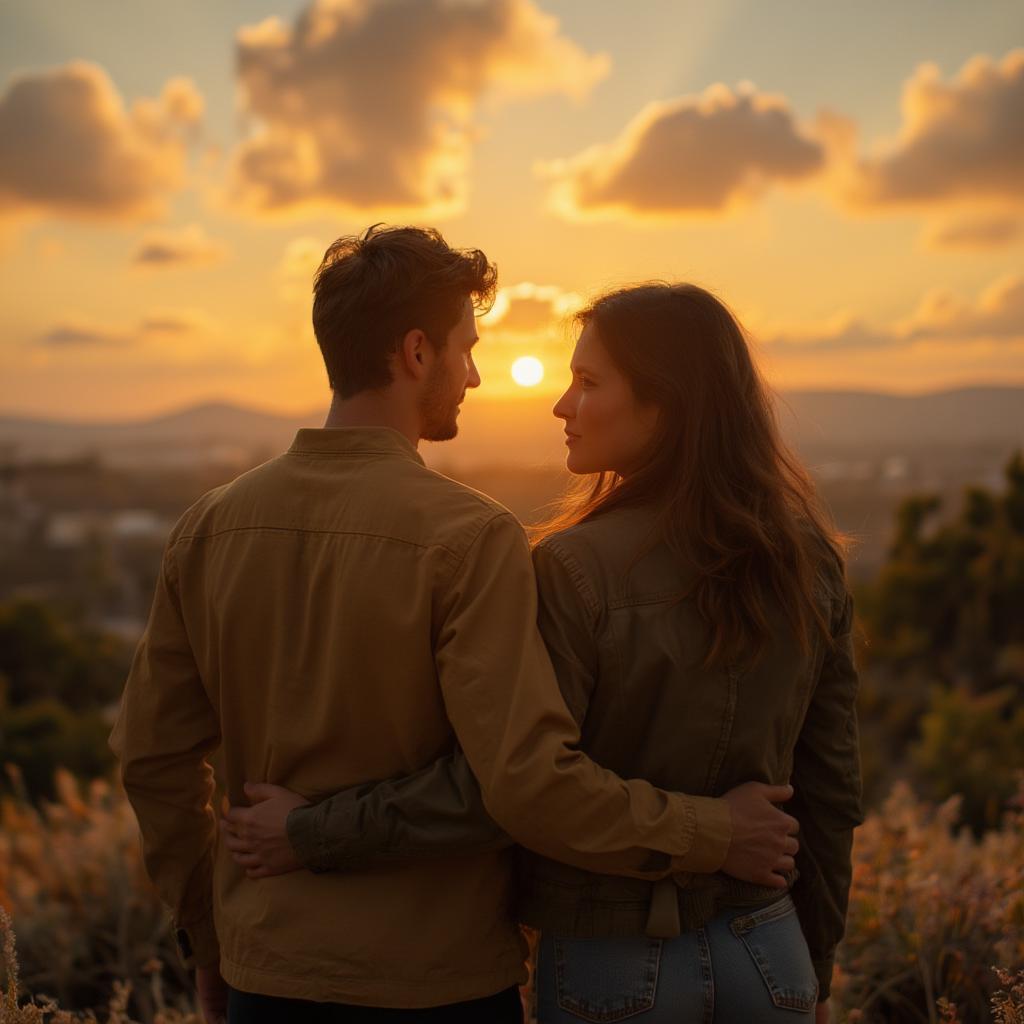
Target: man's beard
<point>439,409</point>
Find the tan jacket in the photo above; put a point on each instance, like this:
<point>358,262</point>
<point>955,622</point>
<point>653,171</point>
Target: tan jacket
<point>342,614</point>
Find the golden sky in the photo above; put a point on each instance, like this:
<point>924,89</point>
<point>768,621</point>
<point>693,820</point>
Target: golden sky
<point>849,178</point>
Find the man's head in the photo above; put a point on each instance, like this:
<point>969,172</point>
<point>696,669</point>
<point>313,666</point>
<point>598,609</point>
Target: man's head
<point>396,306</point>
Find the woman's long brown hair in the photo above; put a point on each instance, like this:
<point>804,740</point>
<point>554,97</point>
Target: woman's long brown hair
<point>733,501</point>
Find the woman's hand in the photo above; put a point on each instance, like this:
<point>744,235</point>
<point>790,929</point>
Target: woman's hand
<point>257,836</point>
<point>822,1012</point>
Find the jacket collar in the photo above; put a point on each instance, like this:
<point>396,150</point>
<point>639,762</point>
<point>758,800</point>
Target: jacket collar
<point>354,441</point>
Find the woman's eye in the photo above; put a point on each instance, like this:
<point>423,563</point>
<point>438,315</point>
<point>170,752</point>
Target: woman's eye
<point>586,382</point>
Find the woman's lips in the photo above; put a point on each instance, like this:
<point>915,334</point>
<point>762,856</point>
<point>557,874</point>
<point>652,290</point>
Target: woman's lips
<point>570,438</point>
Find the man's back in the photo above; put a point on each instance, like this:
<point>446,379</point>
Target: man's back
<point>312,591</point>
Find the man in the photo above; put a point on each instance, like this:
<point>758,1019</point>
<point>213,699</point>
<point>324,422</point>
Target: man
<point>342,614</point>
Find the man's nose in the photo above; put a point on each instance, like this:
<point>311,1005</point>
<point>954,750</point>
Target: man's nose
<point>473,380</point>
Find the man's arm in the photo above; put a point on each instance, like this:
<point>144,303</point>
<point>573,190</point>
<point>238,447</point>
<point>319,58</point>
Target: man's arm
<point>440,811</point>
<point>826,777</point>
<point>164,731</point>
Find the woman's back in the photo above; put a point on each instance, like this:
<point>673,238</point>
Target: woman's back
<point>629,653</point>
<point>632,671</point>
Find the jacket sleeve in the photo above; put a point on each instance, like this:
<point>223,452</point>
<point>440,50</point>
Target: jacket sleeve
<point>440,811</point>
<point>522,742</point>
<point>436,812</point>
<point>164,731</point>
<point>827,799</point>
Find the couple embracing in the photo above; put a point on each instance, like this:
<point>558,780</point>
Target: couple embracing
<point>432,734</point>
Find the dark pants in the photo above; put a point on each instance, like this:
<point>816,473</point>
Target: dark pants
<point>247,1008</point>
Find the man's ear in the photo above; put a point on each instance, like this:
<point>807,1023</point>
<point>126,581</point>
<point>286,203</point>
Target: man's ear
<point>415,354</point>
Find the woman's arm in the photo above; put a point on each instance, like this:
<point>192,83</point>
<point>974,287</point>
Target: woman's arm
<point>826,777</point>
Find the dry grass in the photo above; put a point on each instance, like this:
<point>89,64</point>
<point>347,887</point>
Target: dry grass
<point>932,912</point>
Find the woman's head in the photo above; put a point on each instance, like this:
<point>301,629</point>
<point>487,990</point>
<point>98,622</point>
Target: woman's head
<point>668,409</point>
<point>657,369</point>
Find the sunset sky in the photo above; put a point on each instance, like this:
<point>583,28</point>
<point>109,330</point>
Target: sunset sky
<point>848,177</point>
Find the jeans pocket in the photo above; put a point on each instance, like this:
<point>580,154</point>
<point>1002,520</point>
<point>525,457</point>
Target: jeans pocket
<point>776,943</point>
<point>605,980</point>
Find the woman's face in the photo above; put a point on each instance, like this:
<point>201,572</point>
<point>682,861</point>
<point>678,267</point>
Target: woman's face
<point>606,427</point>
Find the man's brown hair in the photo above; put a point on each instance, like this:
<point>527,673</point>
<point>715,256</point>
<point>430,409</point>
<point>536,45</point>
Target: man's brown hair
<point>372,289</point>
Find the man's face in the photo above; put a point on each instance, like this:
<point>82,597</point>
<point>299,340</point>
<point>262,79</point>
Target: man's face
<point>452,372</point>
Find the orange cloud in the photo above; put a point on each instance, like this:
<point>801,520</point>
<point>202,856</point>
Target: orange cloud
<point>996,315</point>
<point>528,308</point>
<point>76,332</point>
<point>369,104</point>
<point>961,140</point>
<point>187,247</point>
<point>976,233</point>
<point>697,154</point>
<point>299,264</point>
<point>69,147</point>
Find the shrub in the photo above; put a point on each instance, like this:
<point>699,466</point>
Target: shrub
<point>932,910</point>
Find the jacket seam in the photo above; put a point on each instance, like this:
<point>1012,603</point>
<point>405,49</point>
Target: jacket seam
<point>661,597</point>
<point>315,533</point>
<point>472,544</point>
<point>578,576</point>
<point>356,454</point>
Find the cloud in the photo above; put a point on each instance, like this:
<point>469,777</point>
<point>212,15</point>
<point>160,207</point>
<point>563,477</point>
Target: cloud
<point>976,233</point>
<point>697,154</point>
<point>176,322</point>
<point>370,104</point>
<point>961,140</point>
<point>68,146</point>
<point>187,247</point>
<point>843,333</point>
<point>997,315</point>
<point>75,332</point>
<point>299,263</point>
<point>528,308</point>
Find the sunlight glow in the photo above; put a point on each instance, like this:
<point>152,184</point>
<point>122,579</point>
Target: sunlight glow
<point>527,371</point>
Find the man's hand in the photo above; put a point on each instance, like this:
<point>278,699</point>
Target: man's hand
<point>257,836</point>
<point>822,1012</point>
<point>763,837</point>
<point>212,991</point>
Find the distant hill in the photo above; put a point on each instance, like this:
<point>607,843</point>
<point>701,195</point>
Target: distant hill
<point>522,429</point>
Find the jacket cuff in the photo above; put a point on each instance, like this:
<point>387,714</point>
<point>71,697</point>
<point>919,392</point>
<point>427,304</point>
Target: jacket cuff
<point>823,971</point>
<point>709,822</point>
<point>324,836</point>
<point>304,835</point>
<point>197,942</point>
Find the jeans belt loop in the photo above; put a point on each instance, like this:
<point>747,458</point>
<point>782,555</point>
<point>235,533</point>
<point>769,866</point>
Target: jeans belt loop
<point>663,913</point>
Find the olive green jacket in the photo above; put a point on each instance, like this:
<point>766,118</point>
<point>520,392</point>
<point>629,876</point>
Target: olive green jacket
<point>627,652</point>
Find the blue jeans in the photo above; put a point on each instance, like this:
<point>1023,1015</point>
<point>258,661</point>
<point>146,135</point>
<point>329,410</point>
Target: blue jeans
<point>744,966</point>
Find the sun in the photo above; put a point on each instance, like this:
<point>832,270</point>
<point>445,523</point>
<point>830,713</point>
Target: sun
<point>527,371</point>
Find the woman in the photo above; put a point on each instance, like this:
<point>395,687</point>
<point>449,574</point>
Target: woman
<point>693,601</point>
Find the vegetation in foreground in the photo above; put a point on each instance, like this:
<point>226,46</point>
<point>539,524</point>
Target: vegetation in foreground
<point>932,911</point>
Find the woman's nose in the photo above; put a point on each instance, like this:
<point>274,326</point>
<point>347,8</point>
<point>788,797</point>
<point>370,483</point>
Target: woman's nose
<point>563,408</point>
